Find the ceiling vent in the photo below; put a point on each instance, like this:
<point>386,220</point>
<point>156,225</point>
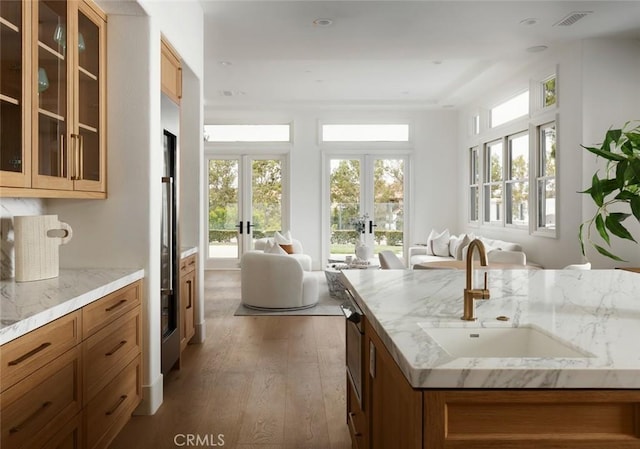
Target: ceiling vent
<point>226,93</point>
<point>572,18</point>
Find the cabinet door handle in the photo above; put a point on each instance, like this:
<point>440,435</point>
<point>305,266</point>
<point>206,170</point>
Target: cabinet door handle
<point>116,348</point>
<point>42,408</point>
<point>116,305</point>
<point>115,407</point>
<point>80,172</point>
<point>61,156</point>
<point>31,353</point>
<point>353,425</point>
<point>189,283</point>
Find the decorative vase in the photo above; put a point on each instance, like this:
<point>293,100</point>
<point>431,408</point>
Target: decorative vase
<point>363,251</point>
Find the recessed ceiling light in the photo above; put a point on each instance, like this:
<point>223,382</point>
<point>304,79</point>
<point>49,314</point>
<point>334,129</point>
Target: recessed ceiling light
<point>405,92</point>
<point>323,22</point>
<point>225,63</point>
<point>448,106</point>
<point>437,62</point>
<point>537,48</point>
<point>529,21</point>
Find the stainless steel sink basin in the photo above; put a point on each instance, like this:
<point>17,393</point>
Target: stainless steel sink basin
<point>521,342</point>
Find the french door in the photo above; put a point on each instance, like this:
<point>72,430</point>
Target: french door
<point>246,201</point>
<point>367,201</point>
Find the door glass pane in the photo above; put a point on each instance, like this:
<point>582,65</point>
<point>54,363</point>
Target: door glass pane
<point>388,207</point>
<point>266,197</point>
<point>11,86</point>
<point>223,208</point>
<point>52,88</point>
<point>344,182</point>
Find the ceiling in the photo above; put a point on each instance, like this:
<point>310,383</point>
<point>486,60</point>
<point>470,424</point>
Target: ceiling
<point>415,54</point>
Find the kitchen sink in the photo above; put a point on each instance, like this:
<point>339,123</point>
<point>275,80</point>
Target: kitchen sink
<point>520,342</point>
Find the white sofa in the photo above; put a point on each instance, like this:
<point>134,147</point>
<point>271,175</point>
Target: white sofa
<point>498,251</point>
<point>276,281</point>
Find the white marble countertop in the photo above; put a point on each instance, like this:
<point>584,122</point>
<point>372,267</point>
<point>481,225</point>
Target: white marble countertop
<point>596,310</point>
<point>187,251</point>
<point>25,306</point>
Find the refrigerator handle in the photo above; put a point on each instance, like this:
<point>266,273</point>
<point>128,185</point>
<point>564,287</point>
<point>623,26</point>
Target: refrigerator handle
<point>168,182</point>
<point>239,226</point>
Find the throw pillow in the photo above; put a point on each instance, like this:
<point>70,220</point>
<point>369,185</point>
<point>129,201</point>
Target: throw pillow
<point>440,244</point>
<point>288,248</point>
<point>284,238</point>
<point>432,234</point>
<point>275,249</point>
<point>454,241</point>
<point>464,242</point>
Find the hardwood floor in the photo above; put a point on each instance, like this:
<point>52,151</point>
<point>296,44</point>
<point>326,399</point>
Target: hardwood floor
<point>258,382</point>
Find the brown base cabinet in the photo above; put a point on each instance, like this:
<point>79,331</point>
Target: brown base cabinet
<point>395,415</point>
<point>73,383</point>
<point>187,299</point>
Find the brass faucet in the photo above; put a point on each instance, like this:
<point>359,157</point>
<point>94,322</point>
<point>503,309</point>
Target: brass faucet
<point>471,294</point>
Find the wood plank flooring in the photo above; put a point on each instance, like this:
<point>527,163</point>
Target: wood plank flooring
<point>259,382</point>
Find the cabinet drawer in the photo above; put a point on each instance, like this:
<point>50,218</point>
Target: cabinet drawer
<point>26,354</point>
<point>102,312</point>
<point>110,409</point>
<point>109,350</point>
<point>188,264</point>
<point>68,437</point>
<point>355,418</point>
<point>39,405</point>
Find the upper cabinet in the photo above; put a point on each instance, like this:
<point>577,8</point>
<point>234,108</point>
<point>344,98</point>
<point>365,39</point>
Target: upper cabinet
<point>63,154</point>
<point>171,72</point>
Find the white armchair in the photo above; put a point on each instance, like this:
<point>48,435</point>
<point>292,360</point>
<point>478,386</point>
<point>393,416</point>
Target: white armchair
<point>275,281</point>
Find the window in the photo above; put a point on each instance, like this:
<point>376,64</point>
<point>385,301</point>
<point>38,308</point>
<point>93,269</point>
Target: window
<point>247,133</point>
<point>365,133</point>
<point>474,185</point>
<point>493,177</point>
<point>546,177</point>
<point>549,92</point>
<point>517,182</point>
<point>511,109</point>
<point>475,125</point>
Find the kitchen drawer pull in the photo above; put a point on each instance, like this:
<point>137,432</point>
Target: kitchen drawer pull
<point>118,404</point>
<point>190,294</point>
<point>31,353</point>
<point>43,407</point>
<point>353,425</point>
<point>115,306</point>
<point>193,262</point>
<point>118,346</point>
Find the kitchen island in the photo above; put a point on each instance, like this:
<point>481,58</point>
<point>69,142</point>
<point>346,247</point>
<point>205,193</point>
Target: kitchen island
<point>419,394</point>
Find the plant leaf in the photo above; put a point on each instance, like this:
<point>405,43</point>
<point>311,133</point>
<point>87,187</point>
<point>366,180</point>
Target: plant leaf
<point>605,154</point>
<point>612,136</point>
<point>625,195</point>
<point>635,207</point>
<point>634,164</point>
<point>580,238</point>
<point>601,229</point>
<point>613,224</point>
<point>621,168</point>
<point>604,252</point>
<point>596,190</point>
<point>608,185</point>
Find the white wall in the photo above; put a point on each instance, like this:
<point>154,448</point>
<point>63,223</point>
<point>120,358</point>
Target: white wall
<point>591,98</point>
<point>433,154</point>
<point>611,91</point>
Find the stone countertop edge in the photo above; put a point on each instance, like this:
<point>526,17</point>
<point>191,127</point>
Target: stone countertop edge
<point>187,251</point>
<point>597,311</point>
<point>26,306</point>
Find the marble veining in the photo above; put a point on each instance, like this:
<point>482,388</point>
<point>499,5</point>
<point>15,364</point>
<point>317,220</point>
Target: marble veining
<point>25,306</point>
<point>597,311</point>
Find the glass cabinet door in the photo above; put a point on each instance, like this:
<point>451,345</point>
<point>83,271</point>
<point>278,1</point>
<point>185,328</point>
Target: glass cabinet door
<point>52,162</point>
<point>89,134</point>
<point>14,112</point>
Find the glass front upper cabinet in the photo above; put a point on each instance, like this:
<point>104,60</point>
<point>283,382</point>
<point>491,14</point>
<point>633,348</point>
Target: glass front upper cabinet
<point>14,113</point>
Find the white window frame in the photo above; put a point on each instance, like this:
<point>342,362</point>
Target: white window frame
<point>537,177</point>
<point>487,183</point>
<point>513,119</point>
<point>245,143</point>
<point>474,184</point>
<point>508,179</point>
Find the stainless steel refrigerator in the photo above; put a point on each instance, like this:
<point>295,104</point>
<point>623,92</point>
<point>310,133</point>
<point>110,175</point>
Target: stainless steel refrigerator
<point>169,288</point>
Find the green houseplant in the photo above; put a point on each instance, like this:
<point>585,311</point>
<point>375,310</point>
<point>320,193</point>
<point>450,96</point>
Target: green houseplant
<point>617,193</point>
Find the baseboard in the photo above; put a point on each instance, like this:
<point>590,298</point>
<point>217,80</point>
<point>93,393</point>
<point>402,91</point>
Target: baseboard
<point>152,397</point>
<point>200,334</point>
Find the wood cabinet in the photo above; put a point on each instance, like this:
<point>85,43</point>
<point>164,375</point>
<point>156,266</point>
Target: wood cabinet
<point>188,294</point>
<point>170,72</point>
<point>398,415</point>
<point>393,407</point>
<point>73,383</point>
<point>60,149</point>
